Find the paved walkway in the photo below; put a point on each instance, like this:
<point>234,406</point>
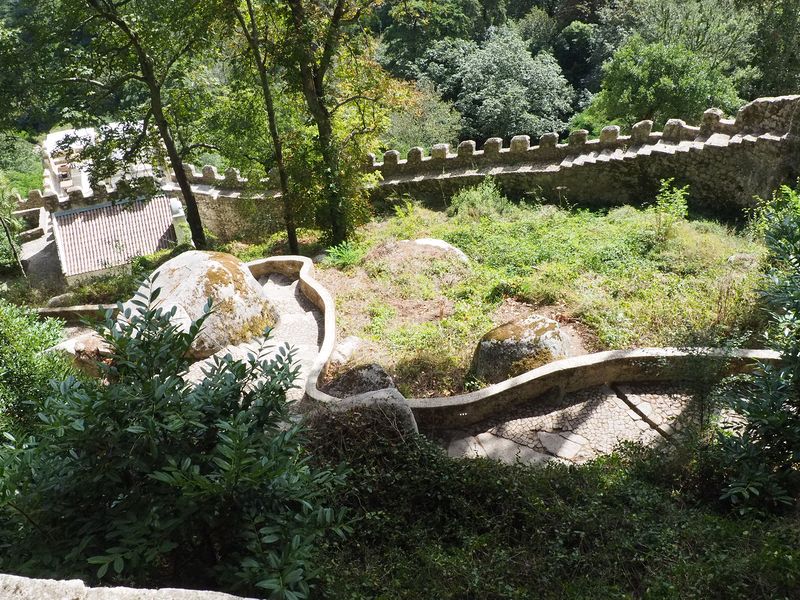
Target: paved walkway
<point>299,325</point>
<point>40,259</point>
<point>581,426</point>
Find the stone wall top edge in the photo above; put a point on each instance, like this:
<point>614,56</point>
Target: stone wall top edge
<point>677,129</point>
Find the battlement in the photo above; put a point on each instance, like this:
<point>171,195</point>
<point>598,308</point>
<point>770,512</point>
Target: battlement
<point>762,116</point>
<point>726,163</point>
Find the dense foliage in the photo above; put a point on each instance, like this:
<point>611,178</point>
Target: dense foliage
<point>658,82</point>
<point>764,454</point>
<point>300,90</point>
<point>149,479</point>
<point>25,367</point>
<point>639,524</point>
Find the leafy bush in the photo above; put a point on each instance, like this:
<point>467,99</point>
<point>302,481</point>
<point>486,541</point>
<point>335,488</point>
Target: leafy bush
<point>9,227</point>
<point>345,255</point>
<point>426,121</point>
<point>495,95</point>
<point>763,456</point>
<point>150,479</point>
<point>658,81</point>
<point>481,202</point>
<point>670,207</point>
<point>25,367</point>
<point>620,527</point>
<point>20,163</point>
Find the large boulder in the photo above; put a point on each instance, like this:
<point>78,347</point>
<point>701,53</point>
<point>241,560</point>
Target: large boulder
<point>519,346</point>
<point>240,309</point>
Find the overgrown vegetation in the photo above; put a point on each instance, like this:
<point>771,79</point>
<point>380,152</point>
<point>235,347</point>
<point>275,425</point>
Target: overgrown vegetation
<point>25,367</point>
<point>763,455</point>
<point>633,277</point>
<point>148,479</point>
<point>637,524</point>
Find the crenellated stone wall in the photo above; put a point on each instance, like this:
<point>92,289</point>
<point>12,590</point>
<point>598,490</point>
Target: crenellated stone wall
<point>726,162</point>
<point>227,208</point>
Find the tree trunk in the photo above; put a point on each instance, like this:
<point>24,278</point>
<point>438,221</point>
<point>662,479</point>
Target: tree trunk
<point>254,43</point>
<point>288,209</point>
<point>176,162</point>
<point>10,239</point>
<point>312,78</point>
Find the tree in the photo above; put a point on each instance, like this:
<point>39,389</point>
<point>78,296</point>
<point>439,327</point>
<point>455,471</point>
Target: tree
<point>505,91</point>
<point>425,120</point>
<point>345,92</point>
<point>659,81</point>
<point>122,60</point>
<point>254,26</point>
<point>720,31</point>
<point>777,48</point>
<point>442,65</point>
<point>574,48</point>
<point>538,29</point>
<point>414,25</point>
<point>9,248</point>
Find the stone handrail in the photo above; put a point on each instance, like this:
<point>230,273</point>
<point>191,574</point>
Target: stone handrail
<point>302,268</point>
<point>568,375</point>
<point>574,374</point>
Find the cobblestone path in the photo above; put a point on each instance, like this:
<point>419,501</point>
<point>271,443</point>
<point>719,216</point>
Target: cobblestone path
<point>577,428</point>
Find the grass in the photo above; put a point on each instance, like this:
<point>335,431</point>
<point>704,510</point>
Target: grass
<point>632,277</point>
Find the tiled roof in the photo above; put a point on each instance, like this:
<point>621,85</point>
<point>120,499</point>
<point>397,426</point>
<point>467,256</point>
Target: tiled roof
<point>98,237</point>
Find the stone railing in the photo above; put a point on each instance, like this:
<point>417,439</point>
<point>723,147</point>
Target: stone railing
<point>23,588</point>
<point>725,161</point>
<point>563,376</point>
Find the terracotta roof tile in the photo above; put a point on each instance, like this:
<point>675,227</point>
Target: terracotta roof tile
<point>96,238</point>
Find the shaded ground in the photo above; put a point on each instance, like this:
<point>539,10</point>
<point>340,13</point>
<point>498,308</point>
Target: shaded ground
<point>578,427</point>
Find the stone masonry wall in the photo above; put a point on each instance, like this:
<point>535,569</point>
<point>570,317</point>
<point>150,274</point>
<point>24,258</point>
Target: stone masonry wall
<point>726,162</point>
<point>227,208</point>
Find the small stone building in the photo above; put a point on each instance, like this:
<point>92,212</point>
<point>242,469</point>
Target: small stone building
<point>102,238</point>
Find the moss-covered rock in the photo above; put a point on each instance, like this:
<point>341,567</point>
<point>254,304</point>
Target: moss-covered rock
<point>513,348</point>
<point>240,309</point>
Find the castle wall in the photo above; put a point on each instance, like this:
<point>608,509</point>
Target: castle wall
<point>726,163</point>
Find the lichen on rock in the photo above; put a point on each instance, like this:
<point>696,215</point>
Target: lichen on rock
<point>240,309</point>
<point>516,347</point>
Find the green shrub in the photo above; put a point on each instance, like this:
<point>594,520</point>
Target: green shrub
<point>483,201</point>
<point>150,479</point>
<point>670,208</point>
<point>764,455</point>
<point>25,367</point>
<point>344,255</point>
<point>625,526</point>
<point>9,227</point>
